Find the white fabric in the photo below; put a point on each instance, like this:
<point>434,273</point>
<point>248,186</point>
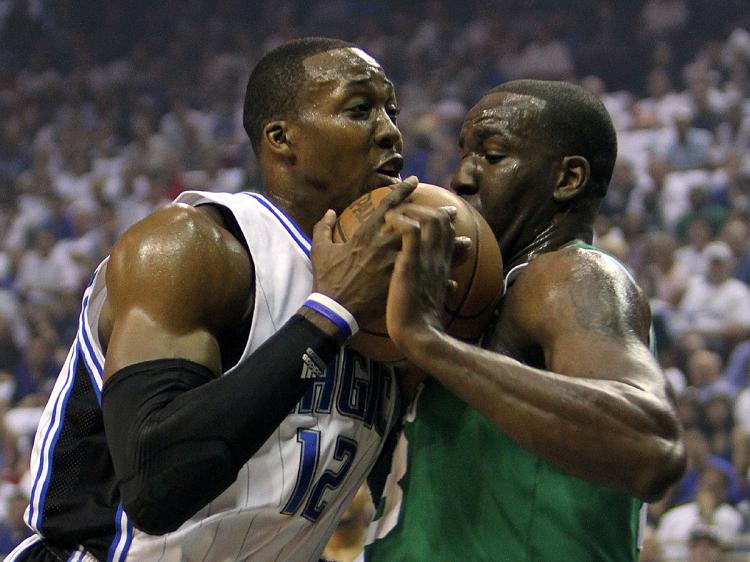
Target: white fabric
<point>707,307</point>
<point>674,528</point>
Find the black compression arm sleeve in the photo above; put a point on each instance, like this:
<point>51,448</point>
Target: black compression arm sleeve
<point>178,436</point>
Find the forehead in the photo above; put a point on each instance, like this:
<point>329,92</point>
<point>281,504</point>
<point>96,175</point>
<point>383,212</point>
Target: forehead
<point>343,67</point>
<point>504,114</point>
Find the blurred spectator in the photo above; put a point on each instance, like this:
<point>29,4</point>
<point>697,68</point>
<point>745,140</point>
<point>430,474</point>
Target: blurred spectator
<point>700,206</point>
<point>149,152</point>
<point>657,109</point>
<point>705,545</point>
<point>545,57</point>
<point>10,350</point>
<point>733,130</point>
<point>726,439</point>
<point>667,277</point>
<point>15,156</point>
<point>74,181</point>
<point>46,269</point>
<point>650,549</point>
<point>35,373</point>
<point>715,305</point>
<point>691,257</point>
<point>710,508</point>
<point>704,374</point>
<point>13,529</point>
<point>690,147</point>
<point>187,131</point>
<point>736,235</point>
<point>662,18</point>
<point>700,458</point>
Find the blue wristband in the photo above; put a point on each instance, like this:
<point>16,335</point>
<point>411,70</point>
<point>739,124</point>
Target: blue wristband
<point>333,311</point>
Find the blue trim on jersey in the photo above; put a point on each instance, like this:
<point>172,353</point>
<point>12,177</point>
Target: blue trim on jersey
<point>20,549</point>
<point>87,338</point>
<point>297,234</point>
<point>120,518</point>
<point>46,454</point>
<point>95,383</point>
<point>93,367</point>
<point>91,361</point>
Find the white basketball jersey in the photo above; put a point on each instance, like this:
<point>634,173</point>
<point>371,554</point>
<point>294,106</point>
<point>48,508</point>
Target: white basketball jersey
<point>288,498</point>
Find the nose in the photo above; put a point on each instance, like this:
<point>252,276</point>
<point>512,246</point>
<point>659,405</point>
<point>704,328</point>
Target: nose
<point>464,180</point>
<point>387,135</point>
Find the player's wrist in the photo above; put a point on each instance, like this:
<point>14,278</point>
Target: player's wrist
<point>330,316</point>
<point>423,345</point>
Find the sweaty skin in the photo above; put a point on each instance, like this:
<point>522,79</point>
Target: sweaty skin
<point>567,372</point>
<point>179,283</point>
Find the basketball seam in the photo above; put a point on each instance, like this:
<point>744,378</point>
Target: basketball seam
<point>340,231</point>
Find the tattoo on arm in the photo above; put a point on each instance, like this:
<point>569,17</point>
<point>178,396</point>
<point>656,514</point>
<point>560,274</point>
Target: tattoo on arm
<point>602,305</point>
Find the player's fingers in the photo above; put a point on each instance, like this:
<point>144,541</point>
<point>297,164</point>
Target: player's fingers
<point>451,211</point>
<point>373,224</point>
<point>323,229</point>
<point>408,229</point>
<point>452,286</point>
<point>399,193</point>
<point>436,225</point>
<point>461,248</point>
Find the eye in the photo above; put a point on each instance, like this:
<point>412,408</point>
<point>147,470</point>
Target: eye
<point>360,110</point>
<point>393,113</point>
<point>493,157</point>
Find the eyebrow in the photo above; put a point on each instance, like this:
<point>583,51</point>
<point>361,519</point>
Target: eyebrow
<point>486,130</point>
<point>367,81</point>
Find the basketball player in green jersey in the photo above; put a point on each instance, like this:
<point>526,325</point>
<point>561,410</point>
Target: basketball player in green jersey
<point>542,444</point>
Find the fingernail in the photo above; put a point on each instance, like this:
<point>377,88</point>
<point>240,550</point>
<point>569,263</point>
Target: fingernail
<point>450,209</point>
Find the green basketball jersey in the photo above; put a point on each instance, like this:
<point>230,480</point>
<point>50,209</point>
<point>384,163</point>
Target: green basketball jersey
<point>460,489</point>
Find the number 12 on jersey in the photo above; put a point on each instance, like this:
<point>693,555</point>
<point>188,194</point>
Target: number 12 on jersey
<point>309,439</point>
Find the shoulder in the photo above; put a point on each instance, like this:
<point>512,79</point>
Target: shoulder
<point>575,267</point>
<point>579,283</point>
<point>179,236</point>
<point>179,255</point>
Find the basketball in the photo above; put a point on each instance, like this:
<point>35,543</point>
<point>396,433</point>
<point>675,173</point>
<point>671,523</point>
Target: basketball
<point>479,275</point>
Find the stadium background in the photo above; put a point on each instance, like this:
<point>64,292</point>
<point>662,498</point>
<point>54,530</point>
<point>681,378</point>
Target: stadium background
<point>110,109</point>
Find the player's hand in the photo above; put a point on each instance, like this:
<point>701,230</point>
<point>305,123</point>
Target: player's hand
<point>356,273</point>
<point>421,276</point>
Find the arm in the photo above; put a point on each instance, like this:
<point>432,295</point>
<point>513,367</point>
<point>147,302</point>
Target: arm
<point>599,409</point>
<point>177,434</point>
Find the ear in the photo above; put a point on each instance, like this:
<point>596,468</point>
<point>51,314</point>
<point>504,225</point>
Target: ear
<point>277,139</point>
<point>573,178</point>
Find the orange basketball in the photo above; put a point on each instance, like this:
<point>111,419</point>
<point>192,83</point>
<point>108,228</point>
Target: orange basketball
<point>469,309</point>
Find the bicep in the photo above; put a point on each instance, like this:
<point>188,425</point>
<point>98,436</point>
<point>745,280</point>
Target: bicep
<point>138,336</point>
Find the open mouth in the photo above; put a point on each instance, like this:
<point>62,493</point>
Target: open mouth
<point>390,170</point>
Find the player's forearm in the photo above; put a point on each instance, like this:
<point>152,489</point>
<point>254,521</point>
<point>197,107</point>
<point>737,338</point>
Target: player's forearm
<point>178,436</point>
<point>601,430</point>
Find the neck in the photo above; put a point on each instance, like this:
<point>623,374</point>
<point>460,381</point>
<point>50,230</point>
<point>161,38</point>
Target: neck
<point>296,210</point>
<point>299,203</point>
<point>569,225</point>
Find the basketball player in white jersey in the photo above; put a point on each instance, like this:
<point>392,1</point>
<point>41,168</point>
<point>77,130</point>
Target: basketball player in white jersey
<point>212,349</point>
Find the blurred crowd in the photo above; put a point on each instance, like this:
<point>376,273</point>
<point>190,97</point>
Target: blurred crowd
<point>110,109</point>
